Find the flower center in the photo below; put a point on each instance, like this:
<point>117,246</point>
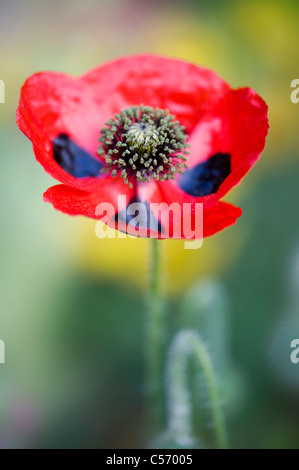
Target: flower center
<point>142,143</point>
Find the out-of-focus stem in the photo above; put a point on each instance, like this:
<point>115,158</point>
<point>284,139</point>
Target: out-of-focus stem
<point>187,344</point>
<point>155,337</point>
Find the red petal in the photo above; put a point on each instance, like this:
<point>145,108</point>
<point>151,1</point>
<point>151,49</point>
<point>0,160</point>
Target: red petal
<point>187,90</point>
<point>209,137</point>
<point>149,192</point>
<point>216,217</point>
<point>74,201</point>
<point>246,115</point>
<point>173,193</point>
<point>51,104</point>
<point>221,216</point>
<point>238,125</point>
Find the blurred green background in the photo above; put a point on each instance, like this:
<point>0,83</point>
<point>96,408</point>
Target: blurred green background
<point>72,306</point>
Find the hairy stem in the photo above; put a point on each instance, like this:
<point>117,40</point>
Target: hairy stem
<point>187,344</point>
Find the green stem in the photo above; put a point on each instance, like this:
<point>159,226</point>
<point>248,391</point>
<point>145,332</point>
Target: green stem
<point>185,345</point>
<point>155,339</point>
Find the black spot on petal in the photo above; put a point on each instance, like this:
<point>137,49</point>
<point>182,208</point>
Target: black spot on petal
<point>206,177</point>
<point>143,214</point>
<point>73,159</point>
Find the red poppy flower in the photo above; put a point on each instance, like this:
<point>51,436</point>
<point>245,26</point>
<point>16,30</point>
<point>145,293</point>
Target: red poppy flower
<point>123,129</point>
